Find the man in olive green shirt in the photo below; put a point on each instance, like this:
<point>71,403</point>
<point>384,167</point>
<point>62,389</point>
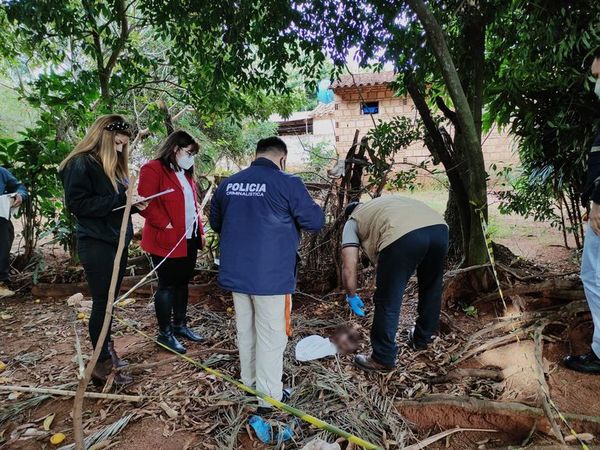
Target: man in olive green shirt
<point>400,235</point>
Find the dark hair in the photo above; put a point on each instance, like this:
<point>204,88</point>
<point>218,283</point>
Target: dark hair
<point>350,207</point>
<point>271,144</point>
<point>176,140</point>
<point>596,53</point>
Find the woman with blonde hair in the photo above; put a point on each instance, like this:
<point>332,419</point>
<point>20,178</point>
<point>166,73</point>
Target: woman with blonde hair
<point>95,177</point>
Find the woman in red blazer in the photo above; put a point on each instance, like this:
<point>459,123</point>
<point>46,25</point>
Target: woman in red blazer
<point>169,218</point>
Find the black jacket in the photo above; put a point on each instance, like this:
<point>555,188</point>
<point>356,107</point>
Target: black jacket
<point>91,198</point>
<point>591,190</point>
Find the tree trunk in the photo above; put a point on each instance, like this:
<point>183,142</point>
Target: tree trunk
<point>472,166</point>
<point>452,217</point>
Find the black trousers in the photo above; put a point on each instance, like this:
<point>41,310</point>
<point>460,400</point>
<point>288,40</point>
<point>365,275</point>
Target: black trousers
<point>97,258</point>
<point>7,236</point>
<point>174,275</point>
<point>423,250</point>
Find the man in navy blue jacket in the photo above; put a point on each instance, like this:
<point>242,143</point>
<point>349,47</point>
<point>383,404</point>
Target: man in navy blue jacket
<point>259,213</point>
<point>16,192</point>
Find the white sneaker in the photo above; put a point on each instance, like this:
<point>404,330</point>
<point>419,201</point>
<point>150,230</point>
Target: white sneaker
<point>5,291</point>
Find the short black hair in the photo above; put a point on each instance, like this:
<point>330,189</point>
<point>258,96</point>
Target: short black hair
<point>271,144</point>
<point>350,207</point>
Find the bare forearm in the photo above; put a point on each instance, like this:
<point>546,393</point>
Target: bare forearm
<point>349,279</point>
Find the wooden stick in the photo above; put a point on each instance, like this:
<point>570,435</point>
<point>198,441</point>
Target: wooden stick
<point>544,389</point>
<point>79,395</point>
<point>494,343</point>
<point>80,362</point>
<point>51,391</point>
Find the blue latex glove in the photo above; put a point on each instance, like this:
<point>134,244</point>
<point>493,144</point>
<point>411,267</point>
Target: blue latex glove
<point>262,428</point>
<point>356,304</point>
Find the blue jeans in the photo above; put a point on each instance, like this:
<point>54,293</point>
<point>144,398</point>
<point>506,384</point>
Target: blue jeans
<point>590,276</point>
<point>423,250</point>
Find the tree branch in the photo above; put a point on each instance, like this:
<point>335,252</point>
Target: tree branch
<point>112,61</point>
<point>448,113</point>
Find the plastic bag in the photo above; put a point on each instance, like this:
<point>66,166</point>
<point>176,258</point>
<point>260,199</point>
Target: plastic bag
<point>314,347</point>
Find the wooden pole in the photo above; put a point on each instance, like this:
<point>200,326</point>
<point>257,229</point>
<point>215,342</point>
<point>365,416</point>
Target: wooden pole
<point>52,391</point>
<point>83,382</point>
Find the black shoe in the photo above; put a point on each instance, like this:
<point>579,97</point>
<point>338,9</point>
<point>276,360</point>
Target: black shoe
<point>368,364</point>
<point>415,343</point>
<point>167,338</point>
<point>180,303</point>
<point>184,332</point>
<point>588,363</point>
<point>286,394</point>
<point>103,369</point>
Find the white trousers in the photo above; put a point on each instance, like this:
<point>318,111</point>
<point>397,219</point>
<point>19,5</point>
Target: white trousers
<point>263,327</point>
<point>590,276</point>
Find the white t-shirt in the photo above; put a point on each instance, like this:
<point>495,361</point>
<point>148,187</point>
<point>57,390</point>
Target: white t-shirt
<point>190,205</point>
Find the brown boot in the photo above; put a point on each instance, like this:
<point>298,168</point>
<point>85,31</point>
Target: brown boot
<point>103,369</point>
<point>116,361</point>
<point>122,379</point>
<point>368,364</point>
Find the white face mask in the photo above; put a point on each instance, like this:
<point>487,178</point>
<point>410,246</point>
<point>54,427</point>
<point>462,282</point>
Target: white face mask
<point>185,161</point>
<point>597,88</point>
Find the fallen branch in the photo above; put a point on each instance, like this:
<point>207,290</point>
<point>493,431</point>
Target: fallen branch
<point>51,391</point>
<point>459,374</point>
<point>544,389</point>
<point>452,273</point>
<point>494,343</point>
<point>547,287</point>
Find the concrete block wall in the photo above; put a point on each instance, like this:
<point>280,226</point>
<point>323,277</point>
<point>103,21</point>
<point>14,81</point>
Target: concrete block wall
<point>498,147</point>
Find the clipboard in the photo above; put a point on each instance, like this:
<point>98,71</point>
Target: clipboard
<point>145,199</point>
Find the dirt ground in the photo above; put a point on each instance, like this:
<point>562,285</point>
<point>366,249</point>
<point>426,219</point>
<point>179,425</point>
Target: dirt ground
<point>37,337</point>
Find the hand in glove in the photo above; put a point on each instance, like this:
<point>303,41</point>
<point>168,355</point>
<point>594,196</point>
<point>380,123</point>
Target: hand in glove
<point>356,304</point>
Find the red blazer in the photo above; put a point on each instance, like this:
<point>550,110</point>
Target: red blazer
<point>167,209</point>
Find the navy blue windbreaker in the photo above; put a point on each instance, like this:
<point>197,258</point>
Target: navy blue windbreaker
<point>9,184</point>
<point>259,213</point>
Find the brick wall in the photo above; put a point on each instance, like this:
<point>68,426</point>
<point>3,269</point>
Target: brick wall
<point>498,148</point>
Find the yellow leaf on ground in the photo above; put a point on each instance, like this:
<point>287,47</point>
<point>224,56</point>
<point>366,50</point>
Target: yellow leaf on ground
<point>127,301</point>
<point>48,422</point>
<point>57,438</point>
<point>2,366</point>
<point>5,316</point>
<point>81,316</point>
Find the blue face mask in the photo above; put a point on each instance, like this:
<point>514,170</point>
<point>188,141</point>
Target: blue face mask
<point>597,88</point>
